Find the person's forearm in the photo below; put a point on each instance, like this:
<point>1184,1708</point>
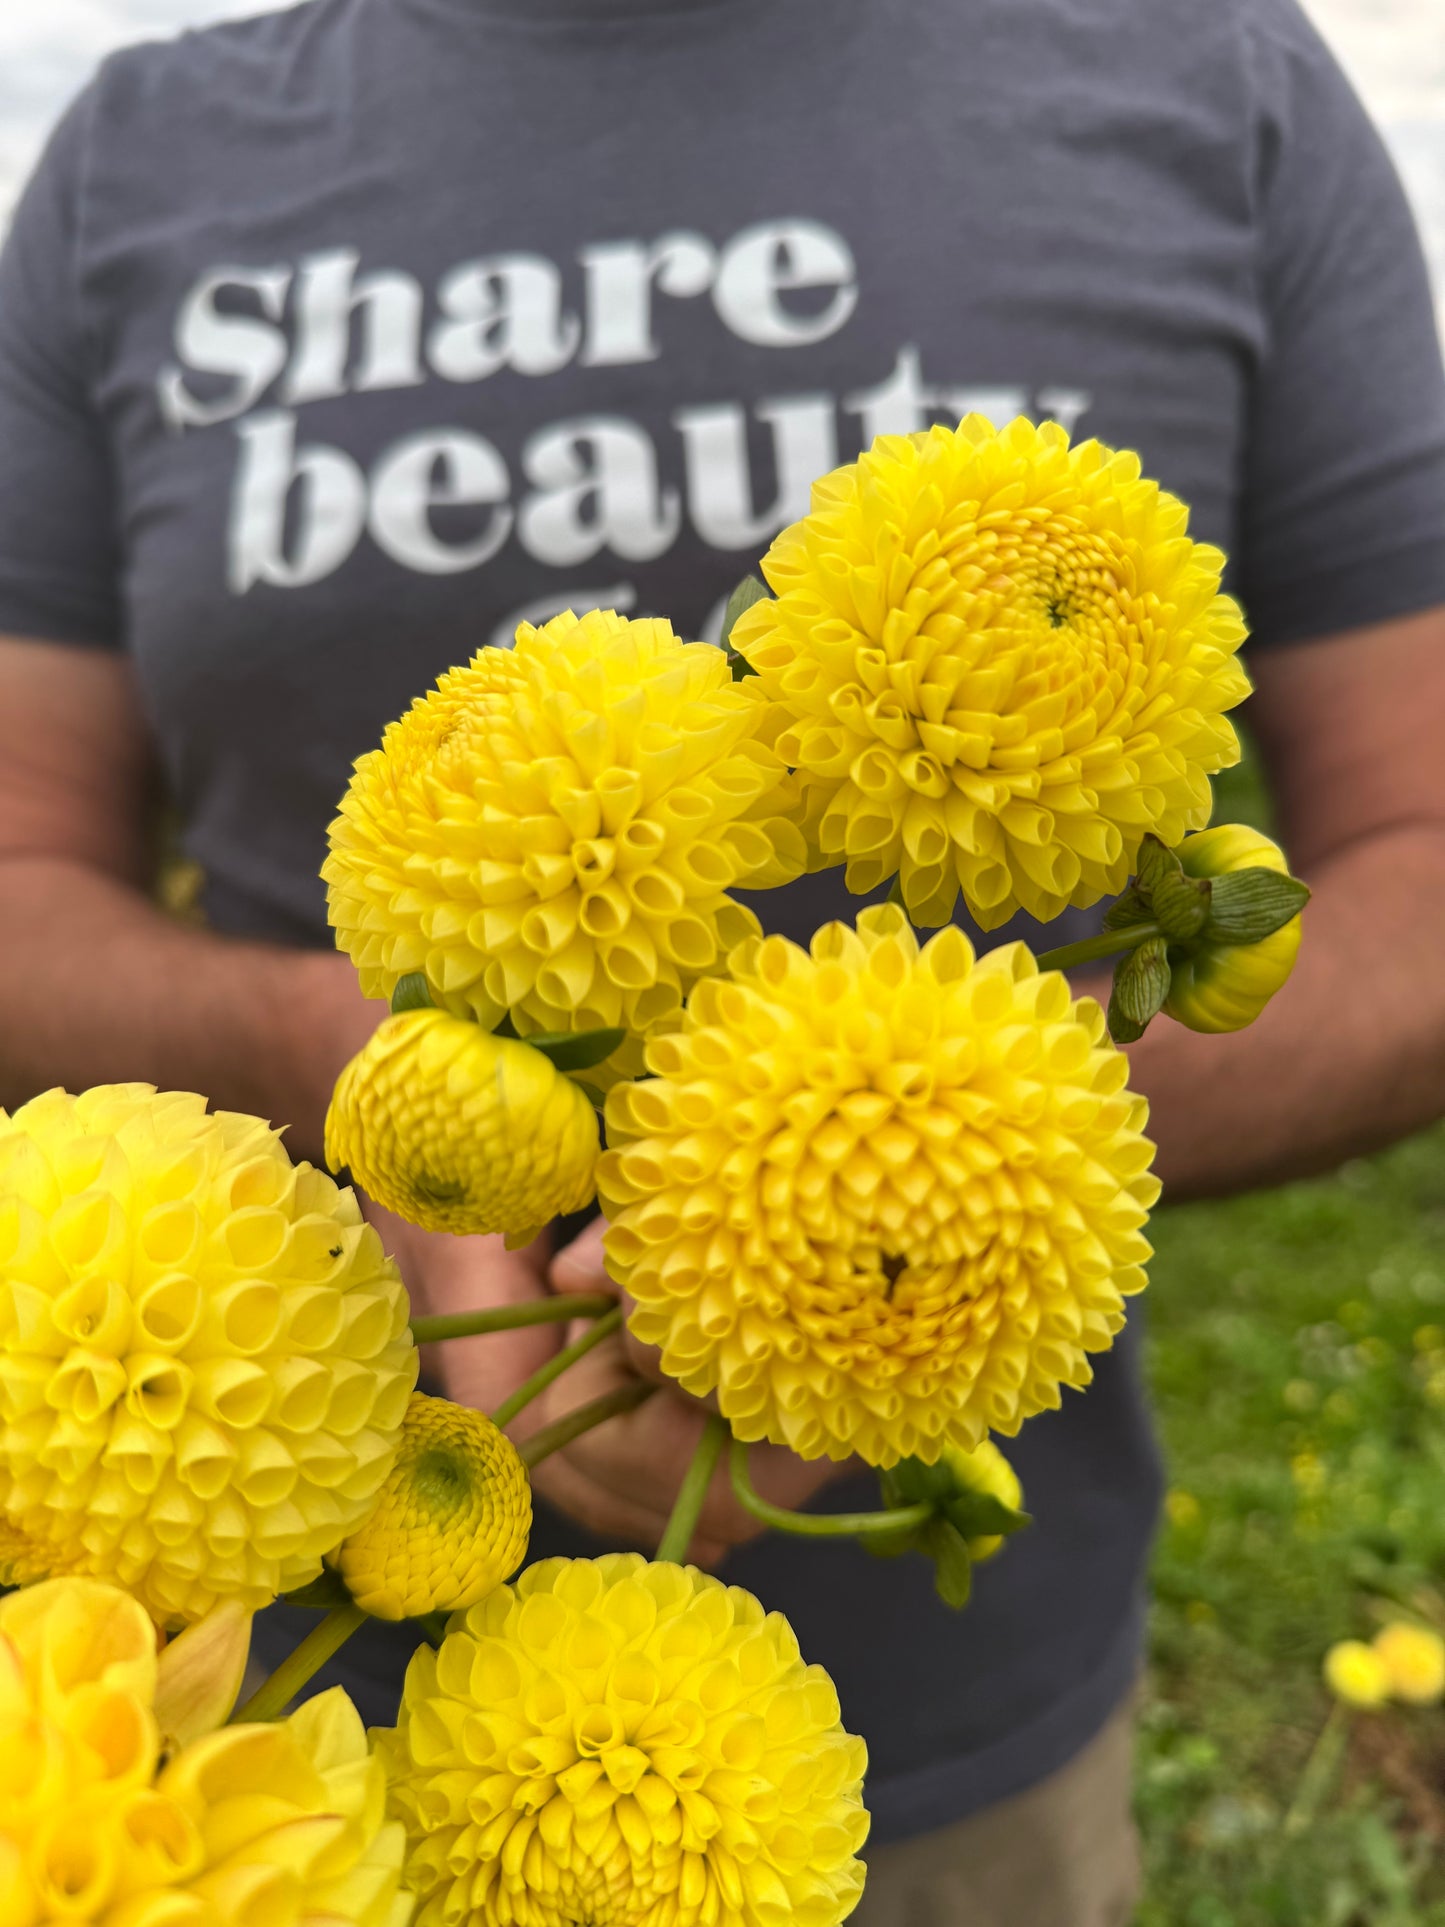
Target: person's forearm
<point>1349,1056</point>
<point>99,986</point>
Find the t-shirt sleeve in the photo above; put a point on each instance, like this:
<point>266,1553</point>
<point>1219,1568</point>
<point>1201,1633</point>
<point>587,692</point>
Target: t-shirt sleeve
<point>59,564</point>
<point>1343,508</point>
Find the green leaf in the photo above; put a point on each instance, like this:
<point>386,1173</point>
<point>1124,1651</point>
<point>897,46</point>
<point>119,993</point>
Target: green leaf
<point>1250,905</point>
<point>748,591</point>
<point>412,992</point>
<point>952,1563</point>
<point>325,1591</point>
<point>1141,983</point>
<point>576,1050</point>
<point>979,1515</point>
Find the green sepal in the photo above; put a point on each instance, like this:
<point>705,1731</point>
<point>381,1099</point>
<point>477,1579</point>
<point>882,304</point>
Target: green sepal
<point>1127,910</point>
<point>412,992</point>
<point>979,1515</point>
<point>1181,905</point>
<point>576,1050</point>
<point>748,591</point>
<point>946,1546</point>
<point>326,1590</point>
<point>1250,905</point>
<point>1141,983</point>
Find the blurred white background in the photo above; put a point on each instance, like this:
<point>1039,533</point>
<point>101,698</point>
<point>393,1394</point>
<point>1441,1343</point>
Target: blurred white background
<point>1395,50</point>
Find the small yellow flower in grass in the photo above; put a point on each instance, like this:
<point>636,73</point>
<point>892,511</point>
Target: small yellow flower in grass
<point>451,1522</point>
<point>1224,986</point>
<point>554,830</point>
<point>613,1741</point>
<point>882,1201</point>
<point>995,663</point>
<point>1414,1659</point>
<point>1356,1674</point>
<point>281,1824</point>
<point>458,1130</point>
<point>204,1353</point>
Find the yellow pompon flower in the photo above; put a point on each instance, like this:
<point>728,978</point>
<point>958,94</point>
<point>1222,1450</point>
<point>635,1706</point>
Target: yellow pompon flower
<point>1414,1659</point>
<point>1224,986</point>
<point>452,1520</point>
<point>457,1130</point>
<point>613,1741</point>
<point>204,1352</point>
<point>554,829</point>
<point>985,1469</point>
<point>1356,1674</point>
<point>995,663</point>
<point>282,1824</point>
<point>882,1201</point>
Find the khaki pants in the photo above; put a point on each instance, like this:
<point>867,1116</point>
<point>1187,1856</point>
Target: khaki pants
<point>1062,1854</point>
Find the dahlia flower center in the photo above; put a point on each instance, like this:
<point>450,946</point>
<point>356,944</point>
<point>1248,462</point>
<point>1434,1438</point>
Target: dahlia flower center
<point>442,1481</point>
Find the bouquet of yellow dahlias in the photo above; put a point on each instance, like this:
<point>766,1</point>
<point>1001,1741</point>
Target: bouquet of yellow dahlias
<point>879,1197</point>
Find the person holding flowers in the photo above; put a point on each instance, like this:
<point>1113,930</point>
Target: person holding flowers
<point>881,1192</point>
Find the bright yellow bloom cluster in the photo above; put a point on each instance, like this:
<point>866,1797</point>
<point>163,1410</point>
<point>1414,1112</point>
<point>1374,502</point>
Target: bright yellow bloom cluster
<point>995,662</point>
<point>882,1201</point>
<point>282,1825</point>
<point>552,831</point>
<point>204,1353</point>
<point>1224,986</point>
<point>451,1522</point>
<point>458,1130</point>
<point>613,1741</point>
<point>1402,1662</point>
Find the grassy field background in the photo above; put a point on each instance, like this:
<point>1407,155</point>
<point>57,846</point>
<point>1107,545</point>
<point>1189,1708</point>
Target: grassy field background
<point>1297,1355</point>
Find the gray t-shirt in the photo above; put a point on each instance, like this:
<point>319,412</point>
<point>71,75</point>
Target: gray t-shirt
<point>334,341</point>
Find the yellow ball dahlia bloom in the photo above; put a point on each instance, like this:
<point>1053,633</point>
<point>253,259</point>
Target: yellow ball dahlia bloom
<point>451,1522</point>
<point>553,830</point>
<point>880,1200</point>
<point>995,663</point>
<point>458,1130</point>
<point>613,1741</point>
<point>282,1825</point>
<point>204,1353</point>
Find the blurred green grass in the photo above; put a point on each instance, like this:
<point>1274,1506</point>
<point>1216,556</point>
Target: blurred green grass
<point>1297,1357</point>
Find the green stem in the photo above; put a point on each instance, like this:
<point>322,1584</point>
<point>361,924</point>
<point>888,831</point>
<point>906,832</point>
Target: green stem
<point>819,1525</point>
<point>687,1508</point>
<point>274,1695</point>
<point>1319,1770</point>
<point>551,1438</point>
<point>509,1318</point>
<point>554,1368</point>
<point>1108,943</point>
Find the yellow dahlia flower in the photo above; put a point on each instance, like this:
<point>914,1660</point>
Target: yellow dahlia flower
<point>204,1353</point>
<point>613,1741</point>
<point>882,1201</point>
<point>553,830</point>
<point>1414,1658</point>
<point>1216,986</point>
<point>458,1130</point>
<point>1356,1674</point>
<point>451,1522</point>
<point>281,1825</point>
<point>995,662</point>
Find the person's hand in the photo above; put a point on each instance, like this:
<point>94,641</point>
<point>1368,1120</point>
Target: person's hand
<point>621,1479</point>
<point>446,1274</point>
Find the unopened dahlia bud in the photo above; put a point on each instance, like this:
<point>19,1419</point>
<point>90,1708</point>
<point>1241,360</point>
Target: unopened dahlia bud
<point>457,1130</point>
<point>451,1522</point>
<point>1218,983</point>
